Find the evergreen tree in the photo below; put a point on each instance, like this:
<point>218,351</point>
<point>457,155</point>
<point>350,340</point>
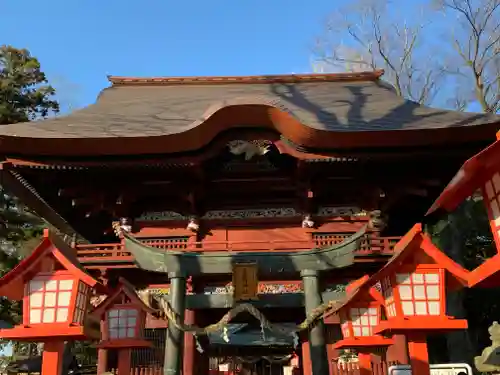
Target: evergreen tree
<point>25,95</point>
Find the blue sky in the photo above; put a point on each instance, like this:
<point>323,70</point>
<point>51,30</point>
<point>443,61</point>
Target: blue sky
<point>80,42</point>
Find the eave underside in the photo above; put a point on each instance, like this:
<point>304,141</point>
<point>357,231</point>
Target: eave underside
<point>85,196</point>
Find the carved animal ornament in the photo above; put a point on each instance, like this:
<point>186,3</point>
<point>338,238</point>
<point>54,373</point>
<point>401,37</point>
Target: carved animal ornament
<point>489,360</point>
<point>249,148</point>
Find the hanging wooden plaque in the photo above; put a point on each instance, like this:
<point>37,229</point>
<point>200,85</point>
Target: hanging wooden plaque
<point>245,282</point>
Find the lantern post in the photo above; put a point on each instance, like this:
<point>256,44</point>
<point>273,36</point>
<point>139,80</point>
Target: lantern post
<point>123,316</point>
<point>55,291</point>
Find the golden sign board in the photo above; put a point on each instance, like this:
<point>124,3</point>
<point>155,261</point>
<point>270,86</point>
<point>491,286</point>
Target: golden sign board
<point>245,281</point>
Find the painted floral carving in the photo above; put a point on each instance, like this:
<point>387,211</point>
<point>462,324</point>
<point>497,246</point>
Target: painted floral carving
<point>264,288</point>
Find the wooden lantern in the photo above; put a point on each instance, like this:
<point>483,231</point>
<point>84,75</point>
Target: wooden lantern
<point>55,291</point>
<point>359,315</point>
<point>412,286</point>
<point>123,315</point>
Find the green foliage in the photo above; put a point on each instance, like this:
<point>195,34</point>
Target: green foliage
<point>465,235</point>
<point>24,92</point>
<point>24,96</point>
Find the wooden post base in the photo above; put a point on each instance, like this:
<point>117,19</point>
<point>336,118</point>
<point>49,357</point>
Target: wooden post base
<point>124,357</point>
<point>52,358</point>
<point>365,363</point>
<point>417,351</point>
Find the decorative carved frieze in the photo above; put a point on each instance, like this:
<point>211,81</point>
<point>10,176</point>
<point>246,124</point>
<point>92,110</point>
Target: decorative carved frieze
<point>223,214</point>
<point>162,215</point>
<point>335,287</point>
<point>253,213</point>
<point>341,211</point>
<point>264,288</point>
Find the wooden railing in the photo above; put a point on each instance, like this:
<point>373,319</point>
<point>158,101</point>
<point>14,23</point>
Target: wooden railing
<point>335,369</point>
<point>370,245</point>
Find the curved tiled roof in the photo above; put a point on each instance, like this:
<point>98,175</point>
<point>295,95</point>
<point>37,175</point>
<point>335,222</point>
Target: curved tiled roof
<point>159,107</point>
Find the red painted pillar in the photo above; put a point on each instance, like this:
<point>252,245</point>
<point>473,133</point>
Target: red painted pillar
<point>305,360</point>
<point>102,361</point>
<point>365,363</point>
<point>397,353</point>
<point>52,359</point>
<point>419,357</point>
<point>124,359</point>
<point>188,364</point>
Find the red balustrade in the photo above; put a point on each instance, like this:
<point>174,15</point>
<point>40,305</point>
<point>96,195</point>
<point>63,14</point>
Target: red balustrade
<point>370,245</point>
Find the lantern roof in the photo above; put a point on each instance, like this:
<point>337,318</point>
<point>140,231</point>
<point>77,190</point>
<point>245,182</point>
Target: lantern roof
<point>469,178</point>
<point>42,259</point>
<point>487,275</point>
<point>124,289</point>
<point>414,248</point>
<point>355,292</point>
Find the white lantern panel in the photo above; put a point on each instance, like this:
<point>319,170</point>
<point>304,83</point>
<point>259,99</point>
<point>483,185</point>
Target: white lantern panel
<point>357,331</point>
<point>131,321</point>
<point>113,333</point>
<point>405,292</point>
<point>403,278</point>
<point>407,307</point>
<point>82,300</point>
<point>496,182</point>
<point>49,315</point>
<point>432,292</point>
<point>122,323</point>
<point>36,285</point>
<point>35,316</point>
<point>419,292</point>
<point>489,190</point>
<point>36,300</point>
<point>420,308</point>
<point>416,295</point>
<point>50,299</point>
<point>66,285</point>
<point>64,299</point>
<point>62,315</point>
<point>495,210</point>
<point>418,278</point>
<point>51,285</point>
<point>434,308</point>
<point>432,278</point>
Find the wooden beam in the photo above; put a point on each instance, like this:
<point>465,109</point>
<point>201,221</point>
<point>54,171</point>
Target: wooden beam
<point>18,186</point>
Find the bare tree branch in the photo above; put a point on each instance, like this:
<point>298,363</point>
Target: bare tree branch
<point>477,42</point>
<point>376,41</point>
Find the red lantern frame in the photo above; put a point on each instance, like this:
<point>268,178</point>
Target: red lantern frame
<point>124,298</point>
<point>51,262</point>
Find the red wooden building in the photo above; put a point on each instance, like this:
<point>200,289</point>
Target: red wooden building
<point>312,178</point>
